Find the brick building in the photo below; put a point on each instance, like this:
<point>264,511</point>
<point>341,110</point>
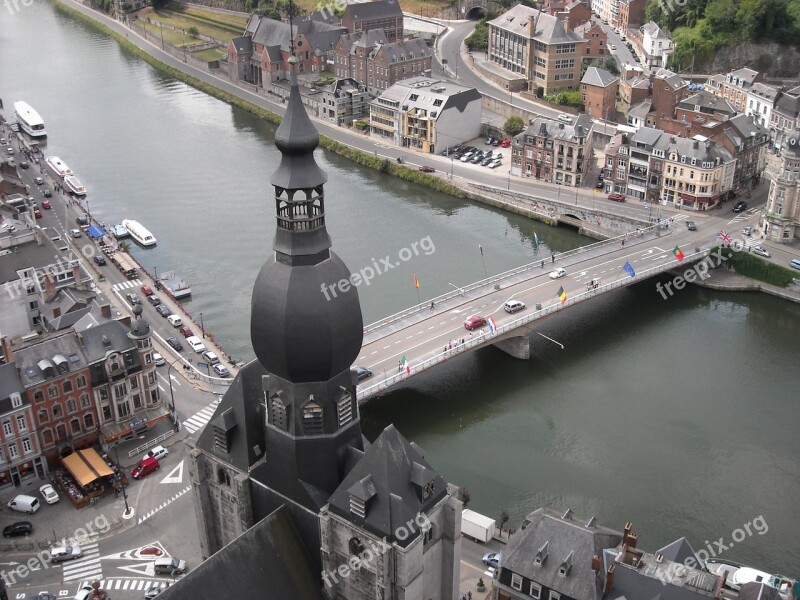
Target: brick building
<point>599,93</point>
<point>596,49</point>
<point>631,14</point>
<point>553,151</point>
<point>379,14</point>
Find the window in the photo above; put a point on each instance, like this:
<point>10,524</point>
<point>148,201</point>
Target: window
<point>52,392</point>
<point>67,386</point>
<point>535,590</point>
<point>43,415</point>
<point>313,418</point>
<point>7,428</point>
<point>16,400</point>
<point>516,581</point>
<point>555,596</point>
<point>75,425</point>
<point>428,537</point>
<point>119,390</point>
<point>81,381</point>
<point>27,447</point>
<point>88,421</point>
<point>21,423</point>
<point>38,396</point>
<point>106,410</point>
<point>12,451</point>
<point>72,406</point>
<point>84,400</point>
<point>123,409</point>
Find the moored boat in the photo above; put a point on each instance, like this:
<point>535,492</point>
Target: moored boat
<point>29,120</point>
<point>737,575</point>
<point>57,167</point>
<point>120,231</point>
<point>139,232</point>
<point>74,185</point>
<point>175,285</point>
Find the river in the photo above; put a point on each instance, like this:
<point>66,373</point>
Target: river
<point>680,416</point>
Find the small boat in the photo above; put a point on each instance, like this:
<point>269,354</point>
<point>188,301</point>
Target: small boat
<point>74,185</point>
<point>57,167</point>
<point>737,575</point>
<point>175,285</point>
<point>139,232</point>
<point>120,231</point>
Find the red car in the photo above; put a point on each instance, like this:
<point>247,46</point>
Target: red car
<point>184,329</point>
<point>427,169</point>
<point>46,204</point>
<point>474,322</point>
<point>147,290</point>
<point>616,197</point>
<point>505,143</point>
<point>37,213</point>
<point>145,467</point>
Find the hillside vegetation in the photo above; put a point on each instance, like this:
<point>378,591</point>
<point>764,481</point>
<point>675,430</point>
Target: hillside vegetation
<point>700,27</point>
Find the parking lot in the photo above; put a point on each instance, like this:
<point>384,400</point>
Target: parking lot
<point>481,155</point>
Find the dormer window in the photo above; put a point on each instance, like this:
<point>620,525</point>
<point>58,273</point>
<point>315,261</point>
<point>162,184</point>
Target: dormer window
<point>16,400</point>
<point>564,567</point>
<point>541,554</point>
<point>361,493</point>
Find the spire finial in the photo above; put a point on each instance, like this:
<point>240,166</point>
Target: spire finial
<point>291,30</point>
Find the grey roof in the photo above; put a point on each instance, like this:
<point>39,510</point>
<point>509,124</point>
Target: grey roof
<point>579,128</point>
<point>707,103</point>
<point>10,383</point>
<point>268,560</point>
<point>790,147</point>
<point>96,340</point>
<point>701,150</point>
<point>403,50</point>
<point>745,75</point>
<point>243,44</point>
<point>326,16</point>
<point>273,53</point>
<point>672,79</point>
<point>29,255</point>
<point>765,91</point>
<point>649,138</point>
<point>270,32</point>
<point>367,39</point>
<point>378,9</point>
<point>747,128</point>
<point>598,77</point>
<point>549,29</point>
<point>788,103</point>
<point>389,478</point>
<point>555,538</point>
<point>654,31</point>
<point>680,551</point>
<point>45,348</point>
<point>641,109</point>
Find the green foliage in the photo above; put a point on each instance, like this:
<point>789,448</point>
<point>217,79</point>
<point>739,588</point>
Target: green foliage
<point>752,266</point>
<point>479,39</point>
<point>193,31</point>
<point>514,126</point>
<point>160,4</point>
<point>611,66</point>
<point>565,99</point>
<point>360,125</point>
<point>126,6</point>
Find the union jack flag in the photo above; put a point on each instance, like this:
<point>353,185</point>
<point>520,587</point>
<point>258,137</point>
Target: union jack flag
<point>724,236</point>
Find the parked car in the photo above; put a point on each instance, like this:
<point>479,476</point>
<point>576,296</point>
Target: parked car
<point>18,529</point>
<point>426,169</point>
<point>492,559</point>
<point>63,553</point>
<point>163,310</point>
<point>474,322</point>
<point>505,143</point>
<point>159,360</point>
<point>196,344</point>
<point>616,197</point>
<point>760,251</point>
<point>133,298</point>
<point>489,141</point>
<point>147,290</point>
<point>362,373</point>
<point>37,213</point>
<point>23,164</point>
<point>157,452</point>
<point>10,151</point>
<point>185,330</point>
<point>154,590</point>
<point>496,143</point>
<point>221,370</point>
<point>494,164</point>
<point>84,593</point>
<point>145,467</point>
<point>100,261</point>
<point>210,357</point>
<point>175,320</point>
<point>466,157</point>
<point>169,566</point>
<point>740,206</point>
<point>691,226</point>
<point>47,193</point>
<point>175,343</point>
<point>598,185</point>
<point>76,233</point>
<point>612,46</point>
<point>564,118</point>
<point>49,494</point>
<point>153,299</point>
<point>23,503</point>
<point>558,273</point>
<point>82,220</point>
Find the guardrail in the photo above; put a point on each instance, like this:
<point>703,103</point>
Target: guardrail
<point>507,328</point>
<point>151,443</point>
<point>196,373</point>
<point>505,275</point>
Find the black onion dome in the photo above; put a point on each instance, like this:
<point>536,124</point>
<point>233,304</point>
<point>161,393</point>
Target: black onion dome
<point>140,329</point>
<point>300,332</point>
<point>791,144</point>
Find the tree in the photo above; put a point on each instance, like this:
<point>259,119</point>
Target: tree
<point>464,496</point>
<point>611,66</point>
<point>193,31</point>
<point>514,126</point>
<point>479,39</point>
<point>503,520</point>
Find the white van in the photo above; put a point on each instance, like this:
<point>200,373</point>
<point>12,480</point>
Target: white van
<point>565,118</point>
<point>26,504</point>
<point>513,306</point>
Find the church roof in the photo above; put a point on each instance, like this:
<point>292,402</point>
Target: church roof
<point>392,480</point>
<point>268,560</point>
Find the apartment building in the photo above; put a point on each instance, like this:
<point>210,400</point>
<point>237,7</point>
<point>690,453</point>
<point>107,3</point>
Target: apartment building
<point>780,221</point>
<point>426,114</point>
<point>574,12</point>
<point>634,163</point>
<point>553,151</point>
<point>538,46</point>
<point>599,93</point>
<point>344,101</point>
<point>735,86</point>
<point>608,10</point>
<point>631,14</point>
<point>656,45</point>
<point>596,49</point>
<point>761,99</point>
<point>378,14</point>
<point>698,173</point>
<point>785,115</point>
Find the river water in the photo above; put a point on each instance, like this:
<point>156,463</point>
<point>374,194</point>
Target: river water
<point>680,416</point>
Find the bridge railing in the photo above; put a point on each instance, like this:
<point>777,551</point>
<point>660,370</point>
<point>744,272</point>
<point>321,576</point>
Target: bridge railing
<point>505,275</point>
<point>489,338</point>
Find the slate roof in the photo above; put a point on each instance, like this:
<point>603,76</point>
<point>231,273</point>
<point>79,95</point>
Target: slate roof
<point>268,560</point>
<point>549,29</point>
<point>243,45</point>
<point>558,538</point>
<point>10,383</point>
<point>672,79</point>
<point>788,103</point>
<point>368,11</point>
<point>270,32</point>
<point>94,348</point>
<point>705,150</point>
<point>765,91</point>
<point>598,77</point>
<point>402,51</point>
<point>654,31</point>
<point>650,138</point>
<point>46,347</point>
<point>642,109</point>
<point>540,126</point>
<point>744,75</point>
<point>708,103</point>
<point>389,479</point>
<point>679,551</point>
<point>790,147</point>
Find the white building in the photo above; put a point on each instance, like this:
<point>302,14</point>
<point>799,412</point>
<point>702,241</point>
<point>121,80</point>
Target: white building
<point>608,10</point>
<point>760,102</point>
<point>656,45</point>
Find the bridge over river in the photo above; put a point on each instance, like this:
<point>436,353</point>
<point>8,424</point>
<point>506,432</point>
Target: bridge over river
<point>422,334</point>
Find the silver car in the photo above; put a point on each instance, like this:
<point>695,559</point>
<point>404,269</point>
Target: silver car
<point>62,553</point>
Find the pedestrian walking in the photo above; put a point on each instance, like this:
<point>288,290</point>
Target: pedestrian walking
<point>462,340</point>
<point>623,243</point>
<point>450,345</point>
<point>553,256</point>
<point>543,264</point>
<point>431,304</point>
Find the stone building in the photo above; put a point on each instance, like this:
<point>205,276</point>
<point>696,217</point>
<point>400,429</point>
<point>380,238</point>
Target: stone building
<point>21,457</point>
<point>553,151</point>
<point>780,221</point>
<point>285,484</point>
<point>344,101</point>
<point>378,14</point>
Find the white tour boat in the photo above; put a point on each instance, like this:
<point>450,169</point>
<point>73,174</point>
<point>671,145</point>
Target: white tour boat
<point>57,167</point>
<point>139,232</point>
<point>74,185</point>
<point>29,120</point>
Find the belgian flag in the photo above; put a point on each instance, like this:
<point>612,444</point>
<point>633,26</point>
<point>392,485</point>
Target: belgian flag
<point>562,295</point>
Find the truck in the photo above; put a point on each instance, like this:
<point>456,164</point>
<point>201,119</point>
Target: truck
<point>477,526</point>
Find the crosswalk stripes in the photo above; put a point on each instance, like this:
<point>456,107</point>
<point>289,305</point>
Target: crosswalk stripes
<point>126,285</point>
<point>127,584</point>
<point>198,420</point>
<point>87,567</point>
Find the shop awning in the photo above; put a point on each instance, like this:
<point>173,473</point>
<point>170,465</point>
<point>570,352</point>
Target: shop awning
<point>96,232</point>
<point>86,466</point>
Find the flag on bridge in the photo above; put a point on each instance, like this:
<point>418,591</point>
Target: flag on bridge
<point>724,236</point>
<point>481,249</point>
<point>404,365</point>
<point>678,254</point>
<point>629,269</point>
<point>535,239</point>
<point>416,281</point>
<point>492,325</point>
<point>562,295</point>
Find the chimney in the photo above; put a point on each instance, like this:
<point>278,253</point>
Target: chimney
<point>50,290</point>
<point>105,310</point>
<point>720,585</point>
<point>80,337</point>
<point>76,276</point>
<point>596,563</point>
<point>609,580</point>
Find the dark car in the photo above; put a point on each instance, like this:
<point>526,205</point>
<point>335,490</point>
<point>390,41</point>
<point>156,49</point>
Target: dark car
<point>740,206</point>
<point>163,310</point>
<point>425,169</point>
<point>82,220</point>
<point>100,261</point>
<point>23,164</point>
<point>154,300</point>
<point>362,373</point>
<point>691,226</point>
<point>599,185</point>
<point>175,343</point>
<point>133,298</point>
<point>17,529</point>
<point>489,141</point>
<point>47,192</point>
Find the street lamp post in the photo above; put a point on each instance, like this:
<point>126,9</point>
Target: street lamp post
<point>124,491</point>
<point>202,329</point>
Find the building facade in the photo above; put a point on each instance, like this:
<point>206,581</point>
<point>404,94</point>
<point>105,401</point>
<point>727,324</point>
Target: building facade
<point>537,46</point>
<point>599,93</point>
<point>698,173</point>
<point>631,14</point>
<point>736,86</point>
<point>596,49</point>
<point>344,101</point>
<point>761,99</point>
<point>786,115</point>
<point>379,14</point>
<point>656,45</point>
<point>780,221</point>
<point>553,151</point>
